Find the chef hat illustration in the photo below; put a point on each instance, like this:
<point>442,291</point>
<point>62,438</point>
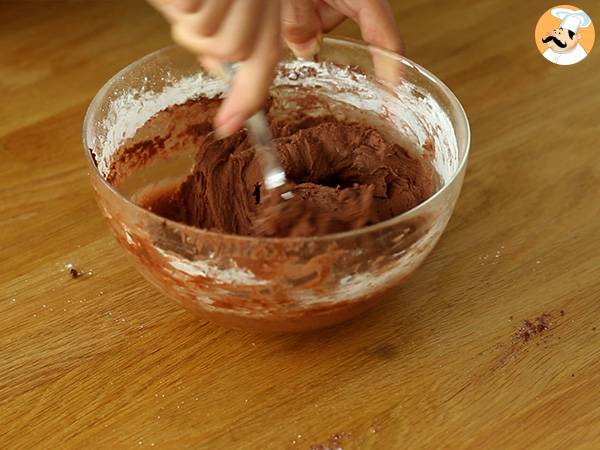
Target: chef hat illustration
<point>570,19</point>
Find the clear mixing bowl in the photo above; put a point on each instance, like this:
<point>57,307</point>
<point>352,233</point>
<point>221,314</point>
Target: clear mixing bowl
<point>275,284</point>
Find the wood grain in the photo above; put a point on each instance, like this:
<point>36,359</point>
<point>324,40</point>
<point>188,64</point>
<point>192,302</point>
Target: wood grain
<point>105,361</point>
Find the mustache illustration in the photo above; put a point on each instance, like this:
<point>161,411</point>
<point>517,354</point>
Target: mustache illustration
<point>556,41</point>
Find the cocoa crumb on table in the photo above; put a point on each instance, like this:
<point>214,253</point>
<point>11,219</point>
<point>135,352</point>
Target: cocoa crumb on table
<point>73,272</point>
<point>334,443</point>
<point>532,328</point>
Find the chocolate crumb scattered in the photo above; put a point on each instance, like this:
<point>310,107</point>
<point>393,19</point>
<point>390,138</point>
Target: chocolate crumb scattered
<point>333,443</point>
<point>572,374</point>
<point>562,312</point>
<point>533,328</point>
<point>73,272</point>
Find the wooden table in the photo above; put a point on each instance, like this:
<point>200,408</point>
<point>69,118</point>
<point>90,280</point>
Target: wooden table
<point>105,361</point>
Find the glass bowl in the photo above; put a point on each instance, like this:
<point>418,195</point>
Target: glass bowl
<point>276,284</point>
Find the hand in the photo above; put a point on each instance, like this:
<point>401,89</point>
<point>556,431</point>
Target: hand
<point>227,31</point>
<point>304,22</point>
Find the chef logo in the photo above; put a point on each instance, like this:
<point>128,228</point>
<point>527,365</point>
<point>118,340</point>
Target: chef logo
<point>565,35</point>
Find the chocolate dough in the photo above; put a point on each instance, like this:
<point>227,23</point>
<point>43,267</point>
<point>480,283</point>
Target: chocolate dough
<point>344,176</point>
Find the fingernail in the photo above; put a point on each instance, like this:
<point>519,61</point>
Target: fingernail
<point>213,66</point>
<point>225,127</point>
<point>387,69</point>
<point>306,50</point>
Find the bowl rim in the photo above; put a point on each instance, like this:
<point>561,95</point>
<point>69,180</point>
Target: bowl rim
<point>335,40</point>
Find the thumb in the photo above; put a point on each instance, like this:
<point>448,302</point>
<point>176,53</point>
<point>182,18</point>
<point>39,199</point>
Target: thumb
<point>301,27</point>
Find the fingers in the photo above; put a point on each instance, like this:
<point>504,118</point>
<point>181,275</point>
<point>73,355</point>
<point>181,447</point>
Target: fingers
<point>167,9</point>
<point>233,41</point>
<point>202,16</point>
<point>184,6</point>
<point>251,83</point>
<point>301,27</point>
<point>303,22</point>
<point>219,31</point>
<point>378,27</point>
<point>331,17</point>
<point>208,19</point>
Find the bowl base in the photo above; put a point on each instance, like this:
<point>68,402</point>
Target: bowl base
<point>299,321</point>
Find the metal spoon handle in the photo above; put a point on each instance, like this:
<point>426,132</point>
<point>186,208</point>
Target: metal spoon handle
<point>260,135</point>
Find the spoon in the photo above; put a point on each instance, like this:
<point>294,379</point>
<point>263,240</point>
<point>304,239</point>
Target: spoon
<point>260,135</point>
